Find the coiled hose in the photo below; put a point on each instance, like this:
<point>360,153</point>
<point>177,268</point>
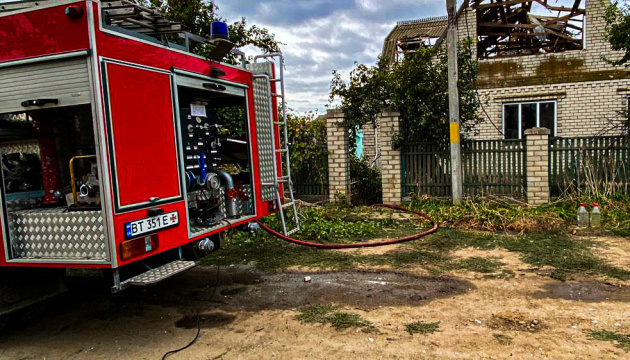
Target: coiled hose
<point>359,244</point>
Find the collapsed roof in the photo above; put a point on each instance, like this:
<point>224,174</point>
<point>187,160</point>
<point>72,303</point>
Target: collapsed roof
<point>509,28</point>
<point>504,28</point>
<point>411,35</point>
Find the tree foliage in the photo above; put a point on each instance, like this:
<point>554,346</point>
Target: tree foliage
<point>197,16</point>
<point>617,18</point>
<point>309,154</point>
<point>417,87</point>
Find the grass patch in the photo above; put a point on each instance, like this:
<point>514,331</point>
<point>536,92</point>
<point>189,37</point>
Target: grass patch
<point>479,264</point>
<point>620,340</point>
<point>503,274</point>
<point>316,314</point>
<point>501,215</point>
<point>328,314</point>
<point>421,327</point>
<point>567,254</point>
<point>342,320</point>
<point>503,339</point>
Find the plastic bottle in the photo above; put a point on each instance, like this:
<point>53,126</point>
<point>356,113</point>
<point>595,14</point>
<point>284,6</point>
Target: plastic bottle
<point>582,216</point>
<point>596,216</point>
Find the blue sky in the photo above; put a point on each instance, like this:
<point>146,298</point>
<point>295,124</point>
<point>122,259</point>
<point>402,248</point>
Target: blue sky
<point>325,35</point>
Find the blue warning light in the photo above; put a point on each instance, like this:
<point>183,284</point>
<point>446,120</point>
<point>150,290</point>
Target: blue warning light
<point>219,30</point>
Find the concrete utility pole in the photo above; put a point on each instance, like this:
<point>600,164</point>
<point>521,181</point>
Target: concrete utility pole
<point>453,103</point>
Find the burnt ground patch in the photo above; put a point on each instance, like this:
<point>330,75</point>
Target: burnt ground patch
<point>589,291</point>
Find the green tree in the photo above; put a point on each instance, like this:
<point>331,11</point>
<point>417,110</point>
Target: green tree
<point>617,18</point>
<point>364,97</point>
<point>309,154</point>
<point>417,87</point>
<point>197,15</point>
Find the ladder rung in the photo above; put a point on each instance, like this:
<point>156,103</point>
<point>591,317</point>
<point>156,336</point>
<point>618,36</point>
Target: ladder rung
<point>276,95</point>
<point>281,150</point>
<point>290,203</point>
<point>268,184</point>
<point>278,123</point>
<point>292,231</point>
<point>276,80</point>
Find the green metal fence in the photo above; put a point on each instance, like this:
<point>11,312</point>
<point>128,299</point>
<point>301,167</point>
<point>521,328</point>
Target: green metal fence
<point>495,167</point>
<point>312,188</point>
<point>595,164</point>
<point>426,169</point>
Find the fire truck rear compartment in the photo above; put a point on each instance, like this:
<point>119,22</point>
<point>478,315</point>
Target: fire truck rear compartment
<point>216,155</point>
<point>43,153</point>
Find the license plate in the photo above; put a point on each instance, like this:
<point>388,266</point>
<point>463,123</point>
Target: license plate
<point>149,225</point>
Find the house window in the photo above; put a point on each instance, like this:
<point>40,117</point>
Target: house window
<point>518,117</point>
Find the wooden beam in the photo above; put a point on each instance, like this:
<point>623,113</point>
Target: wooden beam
<point>500,4</point>
<point>519,34</point>
<point>576,6</point>
<point>502,12</point>
<point>499,25</point>
<point>554,8</point>
<point>563,36</point>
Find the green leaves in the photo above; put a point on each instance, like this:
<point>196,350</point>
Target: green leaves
<point>309,153</point>
<point>417,87</point>
<point>617,19</point>
<point>197,15</point>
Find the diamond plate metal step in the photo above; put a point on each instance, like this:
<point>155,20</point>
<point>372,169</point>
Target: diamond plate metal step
<point>158,274</point>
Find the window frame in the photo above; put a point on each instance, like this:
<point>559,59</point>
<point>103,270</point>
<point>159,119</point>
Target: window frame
<point>520,120</point>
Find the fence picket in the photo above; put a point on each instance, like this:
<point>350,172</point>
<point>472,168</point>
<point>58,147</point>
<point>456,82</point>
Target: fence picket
<point>489,167</point>
<point>589,163</point>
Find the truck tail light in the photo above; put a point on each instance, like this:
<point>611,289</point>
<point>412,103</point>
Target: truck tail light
<point>136,247</point>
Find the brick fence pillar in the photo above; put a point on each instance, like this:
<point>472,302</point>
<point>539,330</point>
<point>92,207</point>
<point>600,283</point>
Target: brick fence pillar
<point>390,158</point>
<point>338,157</point>
<point>537,165</point>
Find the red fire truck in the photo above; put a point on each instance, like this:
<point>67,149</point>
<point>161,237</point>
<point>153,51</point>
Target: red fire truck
<point>122,150</point>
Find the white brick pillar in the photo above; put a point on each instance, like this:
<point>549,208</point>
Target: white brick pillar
<point>537,165</point>
<point>390,158</point>
<point>338,155</point>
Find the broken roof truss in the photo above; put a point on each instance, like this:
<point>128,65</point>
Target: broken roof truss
<point>509,28</point>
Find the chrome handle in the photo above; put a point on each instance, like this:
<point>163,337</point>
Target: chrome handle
<point>154,199</point>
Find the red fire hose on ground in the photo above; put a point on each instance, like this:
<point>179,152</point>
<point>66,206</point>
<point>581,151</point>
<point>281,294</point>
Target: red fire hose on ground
<point>359,245</point>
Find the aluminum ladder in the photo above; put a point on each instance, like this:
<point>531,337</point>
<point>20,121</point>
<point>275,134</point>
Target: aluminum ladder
<point>278,59</point>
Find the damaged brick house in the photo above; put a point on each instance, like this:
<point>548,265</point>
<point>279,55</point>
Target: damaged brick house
<point>539,65</point>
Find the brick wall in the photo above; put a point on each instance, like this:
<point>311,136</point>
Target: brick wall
<point>370,148</point>
<point>589,91</point>
<point>583,109</point>
<point>537,166</point>
<point>578,61</point>
<point>390,158</point>
<point>338,161</point>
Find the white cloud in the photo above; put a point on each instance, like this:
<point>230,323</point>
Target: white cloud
<point>320,36</point>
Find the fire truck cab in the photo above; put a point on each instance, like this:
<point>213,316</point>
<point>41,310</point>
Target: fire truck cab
<point>122,150</point>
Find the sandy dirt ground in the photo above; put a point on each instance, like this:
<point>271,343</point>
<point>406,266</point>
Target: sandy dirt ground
<point>252,315</point>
